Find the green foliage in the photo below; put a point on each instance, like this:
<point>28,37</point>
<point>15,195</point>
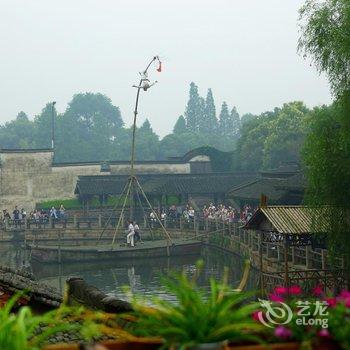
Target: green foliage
<point>193,109</point>
<point>18,133</point>
<point>21,331</point>
<point>67,203</point>
<point>208,122</point>
<point>338,327</point>
<point>180,126</point>
<point>147,142</point>
<point>94,202</point>
<point>327,159</point>
<point>272,138</point>
<point>325,37</point>
<point>197,317</point>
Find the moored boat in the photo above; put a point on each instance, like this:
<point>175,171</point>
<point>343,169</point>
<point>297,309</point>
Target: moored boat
<point>149,249</point>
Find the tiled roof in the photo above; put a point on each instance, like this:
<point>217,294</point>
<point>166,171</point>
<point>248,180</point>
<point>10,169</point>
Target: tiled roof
<point>291,219</point>
<point>275,188</point>
<point>253,190</point>
<point>163,183</point>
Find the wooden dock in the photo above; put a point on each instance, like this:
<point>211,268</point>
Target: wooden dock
<point>103,252</point>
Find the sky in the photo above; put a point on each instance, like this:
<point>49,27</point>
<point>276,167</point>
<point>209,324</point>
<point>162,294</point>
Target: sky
<point>244,50</point>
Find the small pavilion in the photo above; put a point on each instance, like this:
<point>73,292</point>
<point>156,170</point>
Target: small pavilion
<point>294,236</point>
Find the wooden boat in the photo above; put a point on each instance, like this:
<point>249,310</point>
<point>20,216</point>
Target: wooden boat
<point>149,249</point>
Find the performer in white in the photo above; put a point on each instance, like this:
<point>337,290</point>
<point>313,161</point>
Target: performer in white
<point>131,234</point>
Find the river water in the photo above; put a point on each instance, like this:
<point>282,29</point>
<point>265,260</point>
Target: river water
<point>141,275</point>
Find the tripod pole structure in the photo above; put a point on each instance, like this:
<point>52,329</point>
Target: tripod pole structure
<point>132,160</point>
<point>133,186</point>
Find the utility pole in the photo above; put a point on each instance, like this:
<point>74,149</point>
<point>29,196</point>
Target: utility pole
<point>53,125</point>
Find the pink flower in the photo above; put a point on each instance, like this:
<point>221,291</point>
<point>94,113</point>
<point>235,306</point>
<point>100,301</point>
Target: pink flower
<point>255,315</point>
<point>347,302</point>
<point>331,302</point>
<point>324,333</point>
<point>276,298</point>
<point>283,332</point>
<point>280,290</point>
<point>344,294</point>
<point>295,290</point>
<point>318,290</point>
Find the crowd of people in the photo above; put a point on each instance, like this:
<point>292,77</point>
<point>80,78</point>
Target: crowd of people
<point>211,212</point>
<point>18,216</point>
<point>228,213</point>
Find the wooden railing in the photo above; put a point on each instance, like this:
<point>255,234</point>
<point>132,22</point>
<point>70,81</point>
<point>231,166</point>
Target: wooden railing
<point>228,235</point>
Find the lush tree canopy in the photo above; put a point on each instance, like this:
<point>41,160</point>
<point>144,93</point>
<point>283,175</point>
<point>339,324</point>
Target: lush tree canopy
<point>325,37</point>
<point>92,129</point>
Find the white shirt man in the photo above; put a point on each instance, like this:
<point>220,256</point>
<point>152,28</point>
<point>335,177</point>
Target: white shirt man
<point>130,235</point>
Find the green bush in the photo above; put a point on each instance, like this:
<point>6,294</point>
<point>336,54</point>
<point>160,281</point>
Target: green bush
<point>67,203</point>
<point>196,317</point>
<point>75,203</point>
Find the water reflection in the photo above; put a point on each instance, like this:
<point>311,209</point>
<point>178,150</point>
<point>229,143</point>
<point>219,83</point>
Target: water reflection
<point>141,275</point>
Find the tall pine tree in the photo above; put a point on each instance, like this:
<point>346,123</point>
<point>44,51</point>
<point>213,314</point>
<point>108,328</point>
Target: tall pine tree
<point>225,122</point>
<point>180,126</point>
<point>209,123</point>
<point>194,109</point>
<point>236,122</point>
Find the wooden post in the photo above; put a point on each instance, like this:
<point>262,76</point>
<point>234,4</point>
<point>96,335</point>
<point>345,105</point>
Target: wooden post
<point>286,267</point>
<point>75,220</point>
<point>59,246</point>
<point>323,259</point>
<point>279,252</point>
<point>307,257</point>
<point>262,287</point>
<point>99,220</point>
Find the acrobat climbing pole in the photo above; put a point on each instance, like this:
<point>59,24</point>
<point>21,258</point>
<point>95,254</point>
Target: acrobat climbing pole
<point>133,186</point>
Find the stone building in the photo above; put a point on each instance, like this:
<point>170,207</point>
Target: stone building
<point>31,176</point>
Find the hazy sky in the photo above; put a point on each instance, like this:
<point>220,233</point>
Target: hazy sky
<point>245,50</point>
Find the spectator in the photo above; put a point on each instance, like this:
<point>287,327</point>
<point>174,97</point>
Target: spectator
<point>53,213</point>
<point>16,215</point>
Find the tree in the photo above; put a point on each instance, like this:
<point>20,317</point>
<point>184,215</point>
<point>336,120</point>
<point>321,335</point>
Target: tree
<point>225,122</point>
<point>180,125</point>
<point>17,133</point>
<point>236,122</point>
<point>194,109</point>
<point>91,124</point>
<point>247,117</point>
<point>209,121</point>
<point>43,126</point>
<point>325,37</point>
<point>147,142</point>
<point>286,135</point>
<point>21,116</point>
<point>272,138</point>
